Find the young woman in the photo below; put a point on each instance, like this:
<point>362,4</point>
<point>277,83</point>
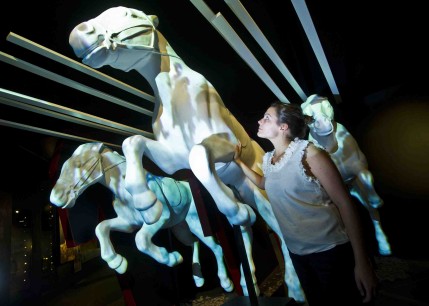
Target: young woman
<point>319,222</point>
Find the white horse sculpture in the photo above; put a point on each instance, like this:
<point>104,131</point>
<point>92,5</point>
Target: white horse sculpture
<point>193,128</point>
<point>93,163</point>
<point>350,160</point>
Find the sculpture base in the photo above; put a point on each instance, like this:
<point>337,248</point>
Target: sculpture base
<point>262,301</point>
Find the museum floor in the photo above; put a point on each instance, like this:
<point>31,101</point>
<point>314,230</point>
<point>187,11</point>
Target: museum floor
<point>402,282</point>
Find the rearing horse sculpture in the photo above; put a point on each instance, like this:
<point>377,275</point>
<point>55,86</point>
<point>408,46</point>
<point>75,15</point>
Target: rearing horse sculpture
<point>350,160</point>
<point>192,127</point>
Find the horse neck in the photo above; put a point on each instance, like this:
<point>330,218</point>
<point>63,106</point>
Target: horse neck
<point>157,65</point>
<point>329,142</point>
<point>114,168</point>
<point>161,59</point>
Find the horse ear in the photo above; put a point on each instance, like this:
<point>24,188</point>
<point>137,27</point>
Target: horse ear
<point>154,20</point>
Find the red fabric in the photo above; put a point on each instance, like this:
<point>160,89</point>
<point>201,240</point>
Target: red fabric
<point>200,205</point>
<point>232,264</point>
<point>53,174</point>
<point>126,282</point>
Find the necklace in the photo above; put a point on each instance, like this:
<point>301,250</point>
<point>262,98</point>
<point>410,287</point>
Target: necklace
<point>275,159</point>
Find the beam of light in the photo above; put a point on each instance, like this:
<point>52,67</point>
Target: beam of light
<point>248,22</point>
<point>307,23</point>
<point>228,33</point>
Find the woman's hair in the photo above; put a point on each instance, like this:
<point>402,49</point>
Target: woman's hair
<point>292,115</point>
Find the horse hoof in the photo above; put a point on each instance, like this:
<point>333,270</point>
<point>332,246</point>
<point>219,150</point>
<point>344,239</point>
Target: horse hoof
<point>199,282</point>
<point>175,259</point>
<point>385,252</point>
<point>122,267</point>
<point>297,295</point>
<point>116,262</point>
<point>227,285</point>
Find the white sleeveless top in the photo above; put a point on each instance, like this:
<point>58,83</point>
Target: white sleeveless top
<point>308,219</point>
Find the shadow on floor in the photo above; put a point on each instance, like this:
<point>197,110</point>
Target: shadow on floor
<point>402,283</point>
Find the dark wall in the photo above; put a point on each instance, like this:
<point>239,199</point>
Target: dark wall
<point>375,51</point>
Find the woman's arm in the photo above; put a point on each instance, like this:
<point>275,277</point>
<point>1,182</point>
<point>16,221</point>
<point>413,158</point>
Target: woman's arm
<point>324,169</point>
<point>255,177</point>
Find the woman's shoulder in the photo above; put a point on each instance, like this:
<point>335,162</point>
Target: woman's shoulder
<point>314,150</point>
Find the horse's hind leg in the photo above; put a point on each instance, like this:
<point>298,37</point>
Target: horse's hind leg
<point>184,234</point>
<point>160,254</point>
<point>108,253</point>
<point>363,190</point>
<point>202,165</point>
<point>195,226</point>
<point>364,186</point>
<point>246,232</point>
<point>197,273</point>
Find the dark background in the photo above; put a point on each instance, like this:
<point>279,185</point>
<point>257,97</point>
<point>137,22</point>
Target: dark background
<point>377,54</point>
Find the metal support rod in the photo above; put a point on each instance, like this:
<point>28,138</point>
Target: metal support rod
<point>17,100</point>
<point>39,49</point>
<point>52,133</point>
<point>70,83</point>
<point>245,264</point>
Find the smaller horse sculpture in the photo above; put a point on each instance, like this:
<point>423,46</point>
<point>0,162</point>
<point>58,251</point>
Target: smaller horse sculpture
<point>93,163</point>
<point>350,160</point>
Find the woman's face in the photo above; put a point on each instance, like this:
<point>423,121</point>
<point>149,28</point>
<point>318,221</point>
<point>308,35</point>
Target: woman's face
<point>268,125</point>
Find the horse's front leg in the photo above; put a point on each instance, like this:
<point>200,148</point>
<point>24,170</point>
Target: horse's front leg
<point>115,261</point>
<point>363,190</point>
<point>202,159</point>
<point>144,199</point>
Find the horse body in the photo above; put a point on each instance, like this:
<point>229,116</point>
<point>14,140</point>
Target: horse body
<point>93,163</point>
<point>192,127</point>
<point>349,159</point>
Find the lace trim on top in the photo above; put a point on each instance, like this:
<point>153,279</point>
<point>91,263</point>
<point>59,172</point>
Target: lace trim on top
<point>268,167</point>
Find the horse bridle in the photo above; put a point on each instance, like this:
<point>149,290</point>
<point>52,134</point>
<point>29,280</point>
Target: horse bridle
<point>92,168</point>
<point>119,35</point>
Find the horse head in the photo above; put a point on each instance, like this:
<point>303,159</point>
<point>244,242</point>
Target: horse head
<point>323,113</point>
<point>99,40</point>
<point>80,171</point>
